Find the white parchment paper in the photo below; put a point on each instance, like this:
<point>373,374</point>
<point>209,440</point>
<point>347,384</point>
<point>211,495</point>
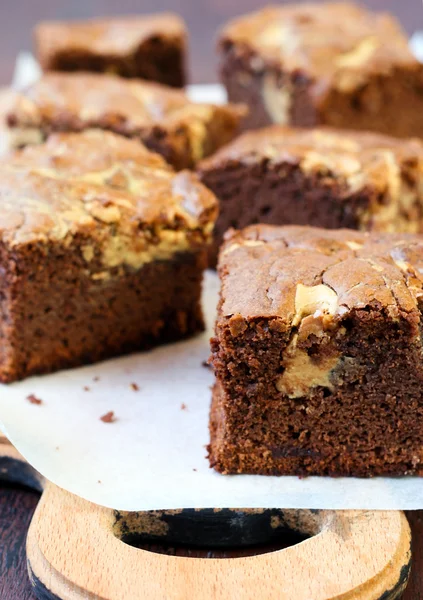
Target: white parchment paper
<point>153,456</point>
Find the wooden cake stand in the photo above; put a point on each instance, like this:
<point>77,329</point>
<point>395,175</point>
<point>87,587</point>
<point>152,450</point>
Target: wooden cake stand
<point>77,550</point>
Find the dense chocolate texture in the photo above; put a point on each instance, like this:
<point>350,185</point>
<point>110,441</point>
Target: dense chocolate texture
<point>318,353</point>
<point>151,47</point>
<point>336,64</point>
<point>102,250</point>
<point>164,119</point>
<point>322,177</point>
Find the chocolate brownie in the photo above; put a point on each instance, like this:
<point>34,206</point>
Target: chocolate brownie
<point>318,353</point>
<point>325,63</point>
<point>164,119</point>
<point>151,47</point>
<point>323,177</point>
<point>102,249</point>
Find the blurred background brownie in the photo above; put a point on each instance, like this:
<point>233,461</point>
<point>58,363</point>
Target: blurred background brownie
<point>151,47</point>
<point>102,248</point>
<point>163,118</point>
<point>318,353</point>
<point>323,177</point>
<point>325,63</point>
<point>203,17</point>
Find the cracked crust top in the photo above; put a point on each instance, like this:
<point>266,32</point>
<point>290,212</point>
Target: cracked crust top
<point>316,276</point>
<point>117,36</point>
<point>108,189</point>
<point>327,40</point>
<point>357,158</point>
<point>134,108</point>
<point>79,100</point>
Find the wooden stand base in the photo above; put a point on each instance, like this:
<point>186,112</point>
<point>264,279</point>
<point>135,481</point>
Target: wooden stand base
<point>77,550</point>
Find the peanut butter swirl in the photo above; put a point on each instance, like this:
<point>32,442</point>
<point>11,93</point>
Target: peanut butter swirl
<point>128,205</point>
<point>311,278</point>
<point>338,42</point>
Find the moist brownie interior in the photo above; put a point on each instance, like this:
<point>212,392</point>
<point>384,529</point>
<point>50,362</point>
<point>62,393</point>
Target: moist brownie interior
<point>150,47</point>
<point>318,353</point>
<point>322,177</point>
<point>102,246</point>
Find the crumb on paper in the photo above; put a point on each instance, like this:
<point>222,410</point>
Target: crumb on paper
<point>183,406</point>
<point>206,364</point>
<point>86,388</point>
<point>57,447</point>
<point>96,378</point>
<point>135,387</point>
<point>108,417</point>
<point>33,399</point>
<point>99,481</point>
<point>195,470</point>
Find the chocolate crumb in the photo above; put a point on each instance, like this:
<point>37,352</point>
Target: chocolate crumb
<point>33,399</point>
<point>108,417</point>
<point>183,406</point>
<point>195,470</point>
<point>86,388</point>
<point>135,387</point>
<point>206,364</point>
<point>96,378</point>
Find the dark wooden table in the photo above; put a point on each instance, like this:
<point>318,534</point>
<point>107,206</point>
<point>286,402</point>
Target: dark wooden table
<point>204,17</point>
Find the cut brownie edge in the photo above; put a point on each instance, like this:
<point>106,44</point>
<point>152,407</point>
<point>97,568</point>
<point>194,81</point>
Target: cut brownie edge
<point>167,68</point>
<point>324,63</point>
<point>82,320</point>
<point>102,249</point>
<point>150,47</point>
<point>317,354</point>
<point>273,96</point>
<point>322,177</point>
<point>362,109</point>
<point>279,195</point>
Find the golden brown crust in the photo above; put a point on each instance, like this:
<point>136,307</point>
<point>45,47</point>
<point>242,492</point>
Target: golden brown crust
<point>339,43</point>
<point>81,100</point>
<point>116,36</point>
<point>154,113</point>
<point>294,272</point>
<point>124,199</point>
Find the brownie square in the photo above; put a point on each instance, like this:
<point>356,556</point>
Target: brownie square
<point>322,177</point>
<point>324,63</point>
<point>151,47</point>
<point>102,250</point>
<point>164,119</point>
<point>318,353</point>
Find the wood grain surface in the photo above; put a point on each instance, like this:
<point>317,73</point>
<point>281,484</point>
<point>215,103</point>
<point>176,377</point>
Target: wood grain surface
<point>17,506</point>
<point>75,550</point>
<point>204,18</point>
